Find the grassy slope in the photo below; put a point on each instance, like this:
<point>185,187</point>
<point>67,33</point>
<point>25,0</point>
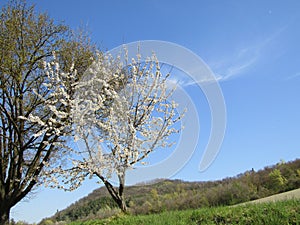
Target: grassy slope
<point>278,209</point>
<point>281,212</point>
<point>294,194</point>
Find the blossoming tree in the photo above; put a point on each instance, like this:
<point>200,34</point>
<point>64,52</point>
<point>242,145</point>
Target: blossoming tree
<point>121,114</point>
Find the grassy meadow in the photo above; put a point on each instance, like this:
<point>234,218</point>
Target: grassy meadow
<point>280,212</point>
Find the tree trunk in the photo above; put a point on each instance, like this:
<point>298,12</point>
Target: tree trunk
<point>117,195</point>
<point>122,204</point>
<point>4,215</point>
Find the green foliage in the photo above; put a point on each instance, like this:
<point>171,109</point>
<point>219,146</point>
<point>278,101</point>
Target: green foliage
<point>87,209</point>
<point>47,222</point>
<point>277,181</point>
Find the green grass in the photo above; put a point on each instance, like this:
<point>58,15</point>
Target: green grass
<point>281,213</point>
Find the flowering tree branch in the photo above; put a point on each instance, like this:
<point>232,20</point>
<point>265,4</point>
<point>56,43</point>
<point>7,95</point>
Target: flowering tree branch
<point>121,113</point>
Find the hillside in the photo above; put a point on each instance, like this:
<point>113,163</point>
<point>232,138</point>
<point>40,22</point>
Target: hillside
<point>166,195</point>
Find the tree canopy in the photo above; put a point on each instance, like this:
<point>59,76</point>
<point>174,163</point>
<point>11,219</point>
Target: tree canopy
<point>122,112</point>
<point>31,133</point>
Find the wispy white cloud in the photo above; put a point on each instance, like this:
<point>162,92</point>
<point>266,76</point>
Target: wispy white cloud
<point>225,69</point>
<point>185,80</point>
<point>238,62</point>
<point>293,76</point>
<point>239,67</point>
<point>230,66</point>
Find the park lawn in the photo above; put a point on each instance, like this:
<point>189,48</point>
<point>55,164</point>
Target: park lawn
<point>281,212</point>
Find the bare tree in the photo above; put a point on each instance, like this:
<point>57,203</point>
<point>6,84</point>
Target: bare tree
<point>34,104</point>
<point>139,118</point>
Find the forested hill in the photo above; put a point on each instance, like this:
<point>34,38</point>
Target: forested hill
<point>166,195</point>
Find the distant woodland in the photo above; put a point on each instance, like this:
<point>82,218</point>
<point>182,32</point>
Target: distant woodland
<point>166,195</point>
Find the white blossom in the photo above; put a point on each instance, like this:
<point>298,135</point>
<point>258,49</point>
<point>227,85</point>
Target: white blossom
<point>120,113</point>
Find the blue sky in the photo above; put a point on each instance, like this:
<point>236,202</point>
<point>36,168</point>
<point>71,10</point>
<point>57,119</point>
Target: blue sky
<point>251,46</point>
